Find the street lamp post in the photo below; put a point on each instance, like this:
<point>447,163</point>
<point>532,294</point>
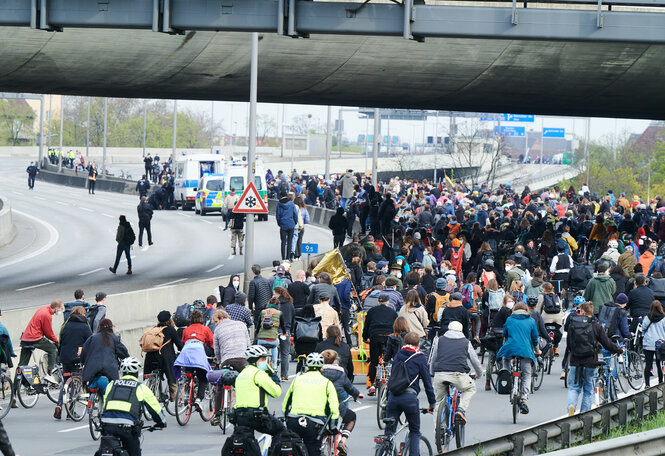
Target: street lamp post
<point>106,111</point>
<point>253,83</point>
<point>175,130</point>
<point>62,112</point>
<point>87,134</point>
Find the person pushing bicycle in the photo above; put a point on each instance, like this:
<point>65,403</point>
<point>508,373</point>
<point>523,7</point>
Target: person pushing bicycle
<point>450,365</point>
<point>123,401</point>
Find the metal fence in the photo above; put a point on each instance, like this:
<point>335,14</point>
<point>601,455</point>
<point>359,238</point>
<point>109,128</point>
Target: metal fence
<point>564,432</point>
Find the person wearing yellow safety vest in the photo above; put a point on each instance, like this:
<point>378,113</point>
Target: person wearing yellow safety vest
<point>252,385</point>
<point>123,401</point>
<point>309,400</point>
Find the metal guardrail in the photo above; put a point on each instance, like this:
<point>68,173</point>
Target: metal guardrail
<point>649,443</point>
<point>564,432</point>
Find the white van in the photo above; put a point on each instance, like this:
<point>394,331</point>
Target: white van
<point>235,175</point>
<point>189,170</point>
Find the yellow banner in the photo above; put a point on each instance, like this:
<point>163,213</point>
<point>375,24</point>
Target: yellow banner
<point>332,264</point>
<point>452,184</point>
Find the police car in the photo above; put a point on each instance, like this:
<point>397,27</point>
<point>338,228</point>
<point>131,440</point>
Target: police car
<point>210,194</point>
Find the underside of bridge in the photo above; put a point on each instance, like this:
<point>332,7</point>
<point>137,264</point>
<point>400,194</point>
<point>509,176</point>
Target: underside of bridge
<point>603,79</point>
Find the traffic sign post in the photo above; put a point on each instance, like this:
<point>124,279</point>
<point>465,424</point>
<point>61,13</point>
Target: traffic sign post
<point>310,249</point>
<point>554,132</point>
<point>510,131</point>
<point>250,202</point>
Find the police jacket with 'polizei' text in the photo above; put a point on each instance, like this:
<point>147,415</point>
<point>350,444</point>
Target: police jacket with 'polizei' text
<point>123,400</point>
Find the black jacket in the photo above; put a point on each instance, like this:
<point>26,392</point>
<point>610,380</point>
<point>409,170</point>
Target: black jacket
<point>287,322</point>
<point>164,358</point>
<point>343,354</point>
<point>227,294</point>
<point>338,224</point>
<point>101,359</point>
<point>299,291</point>
<point>601,338</point>
<point>379,321</point>
<point>73,335</point>
<point>393,345</point>
<point>144,211</point>
<point>639,301</point>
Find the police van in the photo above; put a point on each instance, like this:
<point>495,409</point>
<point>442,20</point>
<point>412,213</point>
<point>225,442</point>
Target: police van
<point>189,170</point>
<point>235,175</point>
<point>209,194</point>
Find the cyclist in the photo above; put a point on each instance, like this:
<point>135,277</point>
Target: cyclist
<point>73,335</point>
<point>39,334</point>
<point>309,399</point>
<point>549,306</point>
<point>100,355</point>
<point>164,358</point>
<point>197,340</point>
<point>252,385</point>
<point>584,333</point>
<point>520,337</point>
<point>123,402</point>
<point>450,364</point>
<point>336,374</point>
<point>407,402</point>
<point>378,326</point>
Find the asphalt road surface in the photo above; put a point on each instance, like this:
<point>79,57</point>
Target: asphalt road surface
<point>34,431</point>
<point>66,240</point>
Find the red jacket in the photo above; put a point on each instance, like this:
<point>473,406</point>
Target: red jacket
<point>41,325</point>
<point>199,332</point>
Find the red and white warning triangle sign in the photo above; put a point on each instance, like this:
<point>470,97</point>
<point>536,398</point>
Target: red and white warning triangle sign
<point>250,202</point>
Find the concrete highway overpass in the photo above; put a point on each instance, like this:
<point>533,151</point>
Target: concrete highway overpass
<point>549,59</point>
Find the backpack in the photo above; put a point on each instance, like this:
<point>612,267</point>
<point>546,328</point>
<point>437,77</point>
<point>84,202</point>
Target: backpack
<point>207,318</point>
<point>440,302</point>
<point>518,295</point>
<point>658,288</point>
<point>581,338</point>
<point>130,236</point>
<point>562,242</point>
<point>152,339</point>
<point>495,299</point>
<point>467,296</point>
<point>399,380</point>
<point>456,258</point>
<point>660,348</point>
<point>607,316</point>
<point>486,276</point>
<point>367,281</point>
<point>504,382</point>
<point>279,282</point>
<point>525,278</point>
<point>241,442</point>
<point>551,304</point>
<point>91,314</point>
<point>291,444</point>
<point>371,301</point>
<point>181,315</point>
<point>267,322</point>
<point>307,330</point>
<point>578,275</point>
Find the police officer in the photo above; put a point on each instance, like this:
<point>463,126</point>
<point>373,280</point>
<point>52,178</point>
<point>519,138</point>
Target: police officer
<point>144,210</point>
<point>32,172</point>
<point>142,186</point>
<point>122,407</point>
<point>307,403</point>
<point>252,385</point>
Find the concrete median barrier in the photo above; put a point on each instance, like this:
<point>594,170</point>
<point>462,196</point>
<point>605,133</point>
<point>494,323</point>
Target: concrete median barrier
<point>7,229</point>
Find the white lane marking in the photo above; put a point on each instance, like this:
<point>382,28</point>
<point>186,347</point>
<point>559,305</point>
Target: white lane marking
<point>206,221</point>
<point>40,198</point>
<point>34,286</point>
<point>77,428</point>
<point>170,283</point>
<point>18,193</point>
<point>86,209</point>
<point>53,239</point>
<point>107,215</point>
<point>91,272</point>
<point>214,268</point>
<point>103,199</point>
<point>63,203</point>
<point>364,407</point>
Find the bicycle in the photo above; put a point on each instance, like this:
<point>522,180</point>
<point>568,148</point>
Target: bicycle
<point>95,410</point>
<point>185,399</point>
<point>28,384</point>
<point>387,446</point>
<point>228,401</point>
<point>75,402</point>
<point>6,391</point>
<point>606,390</point>
<point>331,436</point>
<point>156,381</point>
<point>516,388</point>
<point>382,376</point>
<point>112,446</point>
<point>446,424</point>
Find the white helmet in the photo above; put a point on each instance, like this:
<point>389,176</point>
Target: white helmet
<point>613,244</point>
<point>130,365</point>
<point>314,360</point>
<point>255,352</point>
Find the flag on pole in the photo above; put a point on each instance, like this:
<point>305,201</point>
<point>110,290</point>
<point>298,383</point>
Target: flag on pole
<point>333,264</point>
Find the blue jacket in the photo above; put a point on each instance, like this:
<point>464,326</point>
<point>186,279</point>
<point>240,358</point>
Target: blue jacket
<point>417,366</point>
<point>520,334</point>
<point>337,375</point>
<point>344,292</point>
<point>286,215</point>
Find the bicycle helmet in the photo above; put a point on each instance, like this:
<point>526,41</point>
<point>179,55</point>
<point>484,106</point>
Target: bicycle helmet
<point>613,244</point>
<point>255,352</point>
<point>314,360</point>
<point>130,365</point>
<point>229,376</point>
<point>532,301</point>
<point>578,300</point>
<point>198,303</point>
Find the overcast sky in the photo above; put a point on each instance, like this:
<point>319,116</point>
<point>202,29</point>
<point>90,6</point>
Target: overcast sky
<point>234,119</point>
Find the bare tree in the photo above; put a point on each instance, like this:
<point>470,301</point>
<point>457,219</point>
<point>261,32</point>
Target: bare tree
<point>266,126</point>
<point>17,117</point>
<point>472,147</point>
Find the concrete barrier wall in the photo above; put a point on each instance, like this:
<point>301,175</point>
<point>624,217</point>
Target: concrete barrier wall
<point>7,229</point>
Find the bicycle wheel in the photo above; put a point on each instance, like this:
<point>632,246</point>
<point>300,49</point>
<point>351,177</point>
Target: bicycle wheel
<point>26,394</point>
<point>612,396</point>
<point>6,395</point>
<point>494,373</point>
<point>424,447</point>
<point>537,378</point>
<point>75,404</point>
<point>327,446</point>
<point>165,395</point>
<point>634,369</point>
<point>151,383</point>
<point>601,392</point>
<point>227,409</point>
<point>441,433</point>
<point>95,416</point>
<point>548,363</point>
<point>52,389</point>
<point>622,377</point>
<point>459,434</point>
<point>514,400</point>
<point>382,399</point>
<point>208,404</point>
<point>183,402</point>
<point>565,378</point>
